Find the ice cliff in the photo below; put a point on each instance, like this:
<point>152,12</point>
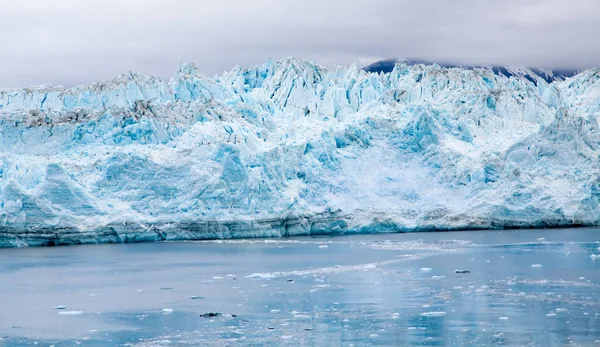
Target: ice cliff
<point>290,148</point>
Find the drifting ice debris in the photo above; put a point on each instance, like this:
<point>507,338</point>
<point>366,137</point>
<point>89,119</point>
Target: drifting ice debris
<point>536,265</point>
<point>210,315</point>
<point>425,269</point>
<point>463,271</point>
<point>282,149</point>
<point>595,256</point>
<point>433,314</point>
<point>70,313</point>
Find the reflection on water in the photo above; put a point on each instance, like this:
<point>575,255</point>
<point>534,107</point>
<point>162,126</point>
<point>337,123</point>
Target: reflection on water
<point>538,287</point>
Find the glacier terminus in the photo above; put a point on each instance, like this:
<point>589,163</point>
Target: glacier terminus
<point>290,148</point>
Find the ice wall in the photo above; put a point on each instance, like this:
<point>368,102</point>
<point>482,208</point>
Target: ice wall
<point>290,148</point>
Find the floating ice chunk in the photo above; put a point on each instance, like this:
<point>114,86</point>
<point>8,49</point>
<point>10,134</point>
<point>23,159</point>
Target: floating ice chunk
<point>536,265</point>
<point>503,318</point>
<point>167,310</point>
<point>433,314</point>
<point>559,310</point>
<point>70,313</point>
<point>323,246</point>
<point>595,256</point>
<point>425,269</point>
<point>551,314</point>
<point>261,276</point>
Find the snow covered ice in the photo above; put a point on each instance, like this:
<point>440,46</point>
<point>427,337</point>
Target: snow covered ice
<point>290,148</point>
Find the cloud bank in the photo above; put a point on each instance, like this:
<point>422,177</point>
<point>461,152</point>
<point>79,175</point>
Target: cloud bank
<point>76,41</point>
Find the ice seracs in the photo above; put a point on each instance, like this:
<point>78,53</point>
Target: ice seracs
<point>290,148</point>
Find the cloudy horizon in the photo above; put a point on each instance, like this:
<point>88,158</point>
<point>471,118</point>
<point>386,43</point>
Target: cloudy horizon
<point>69,42</point>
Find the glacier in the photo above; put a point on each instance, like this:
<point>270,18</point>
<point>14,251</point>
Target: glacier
<point>290,148</point>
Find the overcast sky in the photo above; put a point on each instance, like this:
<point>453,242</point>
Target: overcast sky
<point>75,41</point>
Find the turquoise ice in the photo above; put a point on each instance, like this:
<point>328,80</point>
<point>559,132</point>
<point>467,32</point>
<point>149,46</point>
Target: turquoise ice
<point>290,148</point>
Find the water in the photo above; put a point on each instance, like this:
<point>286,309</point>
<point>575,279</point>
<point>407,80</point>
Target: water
<point>539,288</point>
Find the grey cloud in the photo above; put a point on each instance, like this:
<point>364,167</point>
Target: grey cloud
<point>75,41</point>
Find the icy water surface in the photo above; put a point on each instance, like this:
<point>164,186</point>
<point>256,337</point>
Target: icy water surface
<point>539,288</point>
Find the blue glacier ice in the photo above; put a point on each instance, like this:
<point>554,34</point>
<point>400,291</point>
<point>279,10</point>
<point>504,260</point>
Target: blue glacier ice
<point>290,148</point>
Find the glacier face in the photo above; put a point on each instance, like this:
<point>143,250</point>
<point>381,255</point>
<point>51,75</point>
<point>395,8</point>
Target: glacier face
<point>290,148</point>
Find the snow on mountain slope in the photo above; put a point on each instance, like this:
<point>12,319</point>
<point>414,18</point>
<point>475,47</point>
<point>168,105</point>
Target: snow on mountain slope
<point>531,74</point>
<point>290,148</point>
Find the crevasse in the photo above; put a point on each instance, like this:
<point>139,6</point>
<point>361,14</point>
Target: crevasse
<point>289,148</point>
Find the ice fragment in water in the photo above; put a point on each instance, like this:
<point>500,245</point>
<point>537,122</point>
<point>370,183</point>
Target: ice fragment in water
<point>433,314</point>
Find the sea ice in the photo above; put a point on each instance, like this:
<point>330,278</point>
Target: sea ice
<point>433,314</point>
